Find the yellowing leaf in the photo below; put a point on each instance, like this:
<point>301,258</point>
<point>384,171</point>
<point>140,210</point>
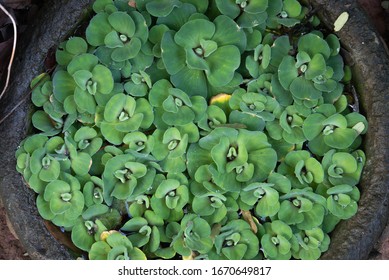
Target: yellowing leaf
<point>341,21</point>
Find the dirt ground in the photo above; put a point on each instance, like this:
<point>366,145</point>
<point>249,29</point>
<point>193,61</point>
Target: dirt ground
<point>24,10</point>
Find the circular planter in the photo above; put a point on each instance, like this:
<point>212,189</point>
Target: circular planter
<point>352,239</point>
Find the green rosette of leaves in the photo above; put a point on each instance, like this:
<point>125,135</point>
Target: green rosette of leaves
<point>278,241</point>
<point>261,197</point>
<point>211,206</point>
<point>93,191</point>
<point>212,118</point>
<point>190,237</point>
<point>88,140</point>
<point>95,219</point>
<point>124,114</point>
<point>139,142</point>
<point>173,107</point>
<point>284,12</point>
<point>80,160</point>
<point>42,96</point>
<point>235,241</point>
<point>342,201</point>
<point>83,82</point>
<point>343,168</point>
<point>264,197</point>
<point>311,244</point>
<point>86,233</point>
<point>252,109</point>
<point>171,145</point>
<point>302,169</point>
<point>29,157</point>
<point>233,157</point>
<point>123,177</point>
<point>119,35</point>
<point>246,13</point>
<point>264,58</point>
<point>302,208</point>
<point>115,246</point>
<point>287,126</point>
<point>143,233</point>
<point>41,160</point>
<point>137,205</point>
<point>316,70</point>
<point>195,55</point>
<point>328,130</point>
<point>138,85</point>
<point>170,197</point>
<point>62,201</point>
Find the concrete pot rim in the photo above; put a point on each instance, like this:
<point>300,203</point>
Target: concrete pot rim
<point>352,239</point>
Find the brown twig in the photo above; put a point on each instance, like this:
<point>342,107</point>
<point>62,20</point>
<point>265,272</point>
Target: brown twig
<point>13,49</point>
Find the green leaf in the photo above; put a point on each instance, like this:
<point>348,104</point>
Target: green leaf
<point>236,252</point>
<point>81,238</point>
<point>162,8</point>
<point>178,17</point>
<point>84,101</point>
<point>303,89</point>
<point>63,85</point>
<point>76,45</point>
<point>81,163</point>
<point>228,8</point>
<point>221,74</point>
<point>81,77</point>
<point>346,161</point>
<point>191,33</point>
<point>312,44</point>
<point>173,55</point>
<point>42,121</point>
<point>84,61</point>
<point>134,224</point>
<point>129,50</point>
<point>103,77</point>
<point>316,67</point>
<point>227,32</point>
<point>99,251</point>
<point>292,7</point>
<point>266,56</point>
<point>341,138</point>
<point>112,40</point>
<point>256,6</point>
<point>196,62</point>
<point>122,23</point>
<point>287,72</point>
<point>312,126</point>
<point>97,29</point>
<point>268,205</point>
<point>50,173</point>
<point>55,188</point>
<point>193,82</point>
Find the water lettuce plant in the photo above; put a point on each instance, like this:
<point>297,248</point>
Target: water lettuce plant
<point>187,129</point>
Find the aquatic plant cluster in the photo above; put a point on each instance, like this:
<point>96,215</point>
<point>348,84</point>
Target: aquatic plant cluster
<point>196,129</point>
